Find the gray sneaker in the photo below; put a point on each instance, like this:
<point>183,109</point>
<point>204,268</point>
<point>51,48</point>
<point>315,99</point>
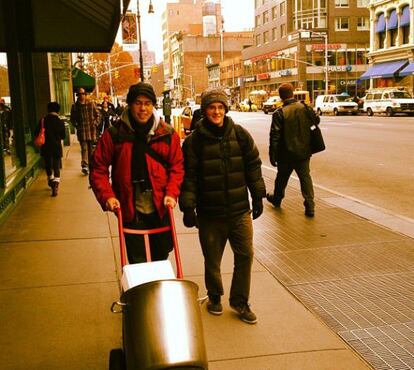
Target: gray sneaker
<point>245,313</point>
<point>214,305</point>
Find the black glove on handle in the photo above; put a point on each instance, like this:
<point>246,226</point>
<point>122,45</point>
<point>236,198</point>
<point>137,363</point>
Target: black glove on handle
<point>257,208</point>
<point>190,218</point>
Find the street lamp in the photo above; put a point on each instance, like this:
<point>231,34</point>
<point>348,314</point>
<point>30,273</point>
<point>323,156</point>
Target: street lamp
<point>191,84</point>
<point>141,61</point>
<point>325,36</point>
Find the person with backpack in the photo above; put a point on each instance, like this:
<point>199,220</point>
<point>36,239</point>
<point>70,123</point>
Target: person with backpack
<point>289,147</point>
<point>222,165</point>
<point>147,170</point>
<point>51,150</point>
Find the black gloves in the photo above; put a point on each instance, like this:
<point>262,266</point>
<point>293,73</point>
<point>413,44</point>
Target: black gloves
<point>257,208</point>
<point>190,218</point>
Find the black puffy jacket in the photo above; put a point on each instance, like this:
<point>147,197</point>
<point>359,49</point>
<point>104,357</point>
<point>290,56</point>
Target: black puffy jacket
<point>219,171</point>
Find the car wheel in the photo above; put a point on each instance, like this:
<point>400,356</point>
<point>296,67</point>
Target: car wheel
<point>389,112</point>
<point>319,112</point>
<point>370,113</point>
<point>335,112</point>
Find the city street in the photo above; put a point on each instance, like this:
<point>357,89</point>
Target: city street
<point>367,158</point>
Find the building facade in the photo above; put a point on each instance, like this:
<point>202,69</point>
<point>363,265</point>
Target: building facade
<point>184,16</point>
<point>306,42</point>
<point>191,55</point>
<point>391,53</point>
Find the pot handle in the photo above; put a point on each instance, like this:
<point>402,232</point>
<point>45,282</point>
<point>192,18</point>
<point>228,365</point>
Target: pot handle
<point>119,304</point>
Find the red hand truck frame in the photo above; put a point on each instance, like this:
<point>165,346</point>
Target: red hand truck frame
<point>146,233</point>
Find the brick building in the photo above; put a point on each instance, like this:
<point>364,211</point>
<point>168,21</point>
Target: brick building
<point>293,38</point>
<point>190,55</point>
<point>392,52</point>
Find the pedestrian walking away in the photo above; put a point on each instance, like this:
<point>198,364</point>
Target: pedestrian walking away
<point>51,150</point>
<point>289,147</point>
<point>146,175</point>
<point>85,117</point>
<point>222,165</point>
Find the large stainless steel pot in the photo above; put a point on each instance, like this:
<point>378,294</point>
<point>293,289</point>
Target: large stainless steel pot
<point>162,327</point>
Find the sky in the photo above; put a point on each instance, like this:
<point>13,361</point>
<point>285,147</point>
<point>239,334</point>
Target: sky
<point>238,16</point>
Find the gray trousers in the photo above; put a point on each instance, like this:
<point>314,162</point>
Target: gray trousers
<point>213,234</point>
<point>284,170</point>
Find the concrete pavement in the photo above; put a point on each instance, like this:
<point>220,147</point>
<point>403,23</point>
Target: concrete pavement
<point>59,274</point>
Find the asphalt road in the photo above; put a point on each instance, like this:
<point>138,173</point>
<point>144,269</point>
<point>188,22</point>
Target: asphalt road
<point>367,158</point>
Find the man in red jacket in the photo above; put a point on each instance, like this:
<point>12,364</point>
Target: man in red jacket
<point>146,175</point>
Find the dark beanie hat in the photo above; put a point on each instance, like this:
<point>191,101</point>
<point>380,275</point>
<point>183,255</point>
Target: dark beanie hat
<point>141,88</point>
<point>212,96</point>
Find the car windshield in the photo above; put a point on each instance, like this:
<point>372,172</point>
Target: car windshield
<point>343,98</point>
<point>400,95</point>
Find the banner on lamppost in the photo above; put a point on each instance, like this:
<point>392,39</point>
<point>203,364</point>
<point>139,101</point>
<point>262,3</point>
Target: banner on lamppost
<point>129,29</point>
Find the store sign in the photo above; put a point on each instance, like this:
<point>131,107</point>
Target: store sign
<point>339,68</point>
<point>329,46</point>
<point>250,79</point>
<point>263,76</point>
<point>347,82</point>
<point>285,72</point>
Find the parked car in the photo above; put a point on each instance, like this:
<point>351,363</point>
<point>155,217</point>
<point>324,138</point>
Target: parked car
<point>335,104</point>
<point>187,115</point>
<point>388,101</point>
<point>244,106</point>
<point>271,104</point>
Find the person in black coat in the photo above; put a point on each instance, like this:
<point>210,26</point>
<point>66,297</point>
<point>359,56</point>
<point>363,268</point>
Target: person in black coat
<point>197,116</point>
<point>51,150</point>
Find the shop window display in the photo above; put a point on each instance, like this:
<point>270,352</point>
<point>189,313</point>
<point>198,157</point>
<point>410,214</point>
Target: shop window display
<point>8,140</point>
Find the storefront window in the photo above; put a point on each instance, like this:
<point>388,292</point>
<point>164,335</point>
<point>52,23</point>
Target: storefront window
<point>8,139</point>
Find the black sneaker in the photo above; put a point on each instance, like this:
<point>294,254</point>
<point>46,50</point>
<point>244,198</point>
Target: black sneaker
<point>275,201</point>
<point>85,170</point>
<point>214,305</point>
<point>309,213</point>
<point>245,313</point>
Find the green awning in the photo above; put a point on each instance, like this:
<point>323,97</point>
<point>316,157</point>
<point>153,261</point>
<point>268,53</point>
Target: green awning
<point>82,79</point>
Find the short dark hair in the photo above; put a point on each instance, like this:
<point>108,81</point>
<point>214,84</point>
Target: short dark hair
<point>53,107</point>
<point>286,91</point>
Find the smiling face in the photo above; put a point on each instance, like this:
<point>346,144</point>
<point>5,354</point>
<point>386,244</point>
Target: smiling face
<point>215,113</point>
<point>141,109</point>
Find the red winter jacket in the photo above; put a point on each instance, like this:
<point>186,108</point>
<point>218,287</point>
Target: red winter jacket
<point>116,151</point>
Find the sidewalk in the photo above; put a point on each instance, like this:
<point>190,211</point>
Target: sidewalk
<point>59,273</point>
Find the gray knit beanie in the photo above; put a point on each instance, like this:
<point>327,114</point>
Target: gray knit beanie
<point>212,96</point>
<point>141,88</point>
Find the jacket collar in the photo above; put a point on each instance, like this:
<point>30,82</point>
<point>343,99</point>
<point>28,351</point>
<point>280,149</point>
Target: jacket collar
<point>289,101</point>
<point>202,127</point>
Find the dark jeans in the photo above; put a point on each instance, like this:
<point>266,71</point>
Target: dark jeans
<point>52,166</point>
<point>213,234</point>
<point>284,170</point>
<point>160,244</point>
<point>86,152</point>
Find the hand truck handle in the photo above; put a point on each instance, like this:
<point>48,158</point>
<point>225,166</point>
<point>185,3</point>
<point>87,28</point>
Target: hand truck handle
<point>146,233</point>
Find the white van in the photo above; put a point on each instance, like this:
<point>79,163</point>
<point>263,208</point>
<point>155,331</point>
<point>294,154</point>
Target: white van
<point>335,104</point>
<point>388,101</point>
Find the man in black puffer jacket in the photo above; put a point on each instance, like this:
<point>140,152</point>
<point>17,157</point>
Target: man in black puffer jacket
<point>222,165</point>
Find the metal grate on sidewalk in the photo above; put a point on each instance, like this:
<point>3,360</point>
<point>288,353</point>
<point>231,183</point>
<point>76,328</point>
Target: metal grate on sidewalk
<point>358,277</point>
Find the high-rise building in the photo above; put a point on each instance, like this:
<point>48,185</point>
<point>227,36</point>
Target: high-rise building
<point>317,45</point>
<point>184,16</point>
